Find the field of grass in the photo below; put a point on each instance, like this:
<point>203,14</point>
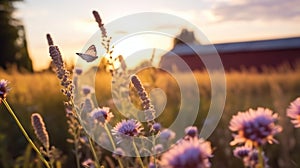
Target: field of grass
<point>40,93</point>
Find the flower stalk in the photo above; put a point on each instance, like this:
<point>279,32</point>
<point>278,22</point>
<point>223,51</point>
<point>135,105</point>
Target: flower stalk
<point>260,157</point>
<point>25,133</point>
<point>112,143</point>
<point>94,153</point>
<point>137,154</point>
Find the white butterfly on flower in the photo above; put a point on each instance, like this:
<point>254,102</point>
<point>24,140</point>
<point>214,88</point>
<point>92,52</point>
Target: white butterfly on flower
<point>90,55</point>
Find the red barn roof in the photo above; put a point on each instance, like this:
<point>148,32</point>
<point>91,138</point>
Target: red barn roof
<point>235,55</point>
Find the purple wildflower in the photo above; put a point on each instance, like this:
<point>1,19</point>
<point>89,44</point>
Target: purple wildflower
<point>254,127</point>
<point>148,108</point>
<point>87,90</point>
<point>294,112</point>
<point>62,73</point>
<point>194,153</point>
<point>241,152</point>
<point>3,89</point>
<point>78,71</point>
<point>127,129</point>
<point>252,159</point>
<point>159,148</point>
<point>100,23</point>
<point>166,135</point>
<point>40,129</point>
<point>118,153</point>
<point>101,115</point>
<point>191,131</point>
<point>156,127</point>
<point>152,165</point>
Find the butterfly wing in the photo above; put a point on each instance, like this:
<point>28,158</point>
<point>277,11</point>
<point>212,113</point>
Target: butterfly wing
<point>90,55</point>
<point>91,51</point>
<point>86,57</point>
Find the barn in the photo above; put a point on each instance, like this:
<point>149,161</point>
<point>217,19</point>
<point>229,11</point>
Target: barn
<point>234,56</point>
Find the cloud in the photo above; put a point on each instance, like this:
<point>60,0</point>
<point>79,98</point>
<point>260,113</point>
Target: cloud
<point>267,10</point>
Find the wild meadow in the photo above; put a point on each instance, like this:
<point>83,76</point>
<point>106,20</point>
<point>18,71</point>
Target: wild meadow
<point>46,127</point>
<point>40,92</point>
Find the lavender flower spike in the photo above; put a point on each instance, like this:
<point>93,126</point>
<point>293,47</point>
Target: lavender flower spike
<point>146,102</point>
<point>40,129</point>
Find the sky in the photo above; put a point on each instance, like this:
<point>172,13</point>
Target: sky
<point>71,23</point>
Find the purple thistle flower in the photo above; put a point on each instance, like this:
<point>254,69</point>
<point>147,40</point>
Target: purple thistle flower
<point>249,156</point>
<point>159,148</point>
<point>101,115</point>
<point>252,159</point>
<point>156,127</point>
<point>241,152</point>
<point>254,127</point>
<point>87,90</point>
<point>78,71</point>
<point>194,153</point>
<point>166,135</point>
<point>294,112</point>
<point>191,131</point>
<point>126,129</point>
<point>3,89</point>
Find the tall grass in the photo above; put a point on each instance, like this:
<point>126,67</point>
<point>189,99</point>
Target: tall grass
<point>40,92</point>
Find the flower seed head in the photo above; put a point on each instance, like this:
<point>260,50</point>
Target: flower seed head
<point>49,39</point>
<point>98,18</point>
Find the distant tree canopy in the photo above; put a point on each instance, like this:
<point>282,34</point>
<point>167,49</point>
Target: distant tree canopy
<point>13,44</point>
<point>185,37</point>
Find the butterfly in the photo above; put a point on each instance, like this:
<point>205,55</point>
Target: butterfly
<point>90,55</point>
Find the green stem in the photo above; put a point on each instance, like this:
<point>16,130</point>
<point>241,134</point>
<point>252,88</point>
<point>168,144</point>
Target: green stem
<point>137,154</point>
<point>109,136</point>
<point>76,144</point>
<point>153,144</point>
<point>25,133</point>
<point>260,157</point>
<point>113,143</point>
<point>94,153</point>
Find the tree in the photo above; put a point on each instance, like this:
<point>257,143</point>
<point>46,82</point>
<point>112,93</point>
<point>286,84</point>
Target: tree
<point>185,37</point>
<point>13,44</point>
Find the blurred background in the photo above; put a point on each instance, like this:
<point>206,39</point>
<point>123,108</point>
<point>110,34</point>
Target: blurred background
<point>258,41</point>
